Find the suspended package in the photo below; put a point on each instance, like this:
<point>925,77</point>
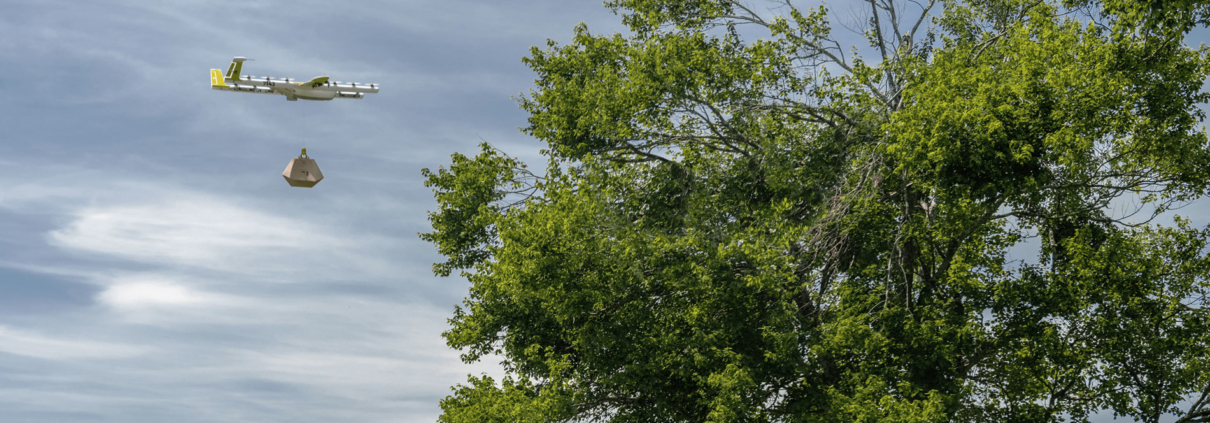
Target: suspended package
<point>302,171</point>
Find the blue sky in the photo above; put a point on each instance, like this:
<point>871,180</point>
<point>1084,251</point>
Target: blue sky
<point>155,267</point>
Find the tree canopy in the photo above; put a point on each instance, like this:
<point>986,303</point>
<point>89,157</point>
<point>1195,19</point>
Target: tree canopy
<point>743,219</point>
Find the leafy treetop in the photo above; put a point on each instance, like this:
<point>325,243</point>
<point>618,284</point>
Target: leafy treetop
<point>778,229</point>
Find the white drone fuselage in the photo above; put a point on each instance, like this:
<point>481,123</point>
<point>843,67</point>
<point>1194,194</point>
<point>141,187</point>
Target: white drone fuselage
<point>318,88</point>
<point>289,87</point>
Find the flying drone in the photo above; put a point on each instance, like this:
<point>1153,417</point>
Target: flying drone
<point>319,88</point>
<point>302,171</point>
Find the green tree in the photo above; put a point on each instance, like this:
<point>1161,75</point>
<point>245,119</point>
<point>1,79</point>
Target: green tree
<point>740,219</point>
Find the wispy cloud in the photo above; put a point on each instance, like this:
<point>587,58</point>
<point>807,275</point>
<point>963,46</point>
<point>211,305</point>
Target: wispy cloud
<point>246,290</point>
<point>29,344</point>
<point>156,293</point>
<point>193,230</point>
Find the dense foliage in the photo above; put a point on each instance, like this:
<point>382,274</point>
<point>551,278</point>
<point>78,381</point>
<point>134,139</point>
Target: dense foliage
<point>744,219</point>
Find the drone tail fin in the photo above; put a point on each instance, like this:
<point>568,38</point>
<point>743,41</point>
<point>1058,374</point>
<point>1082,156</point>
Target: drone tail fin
<point>233,71</point>
<point>216,78</point>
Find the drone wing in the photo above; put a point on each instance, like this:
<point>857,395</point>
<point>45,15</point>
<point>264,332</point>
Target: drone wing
<point>315,82</point>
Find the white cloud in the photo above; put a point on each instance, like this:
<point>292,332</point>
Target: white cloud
<point>28,344</point>
<point>195,230</point>
<point>152,293</point>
